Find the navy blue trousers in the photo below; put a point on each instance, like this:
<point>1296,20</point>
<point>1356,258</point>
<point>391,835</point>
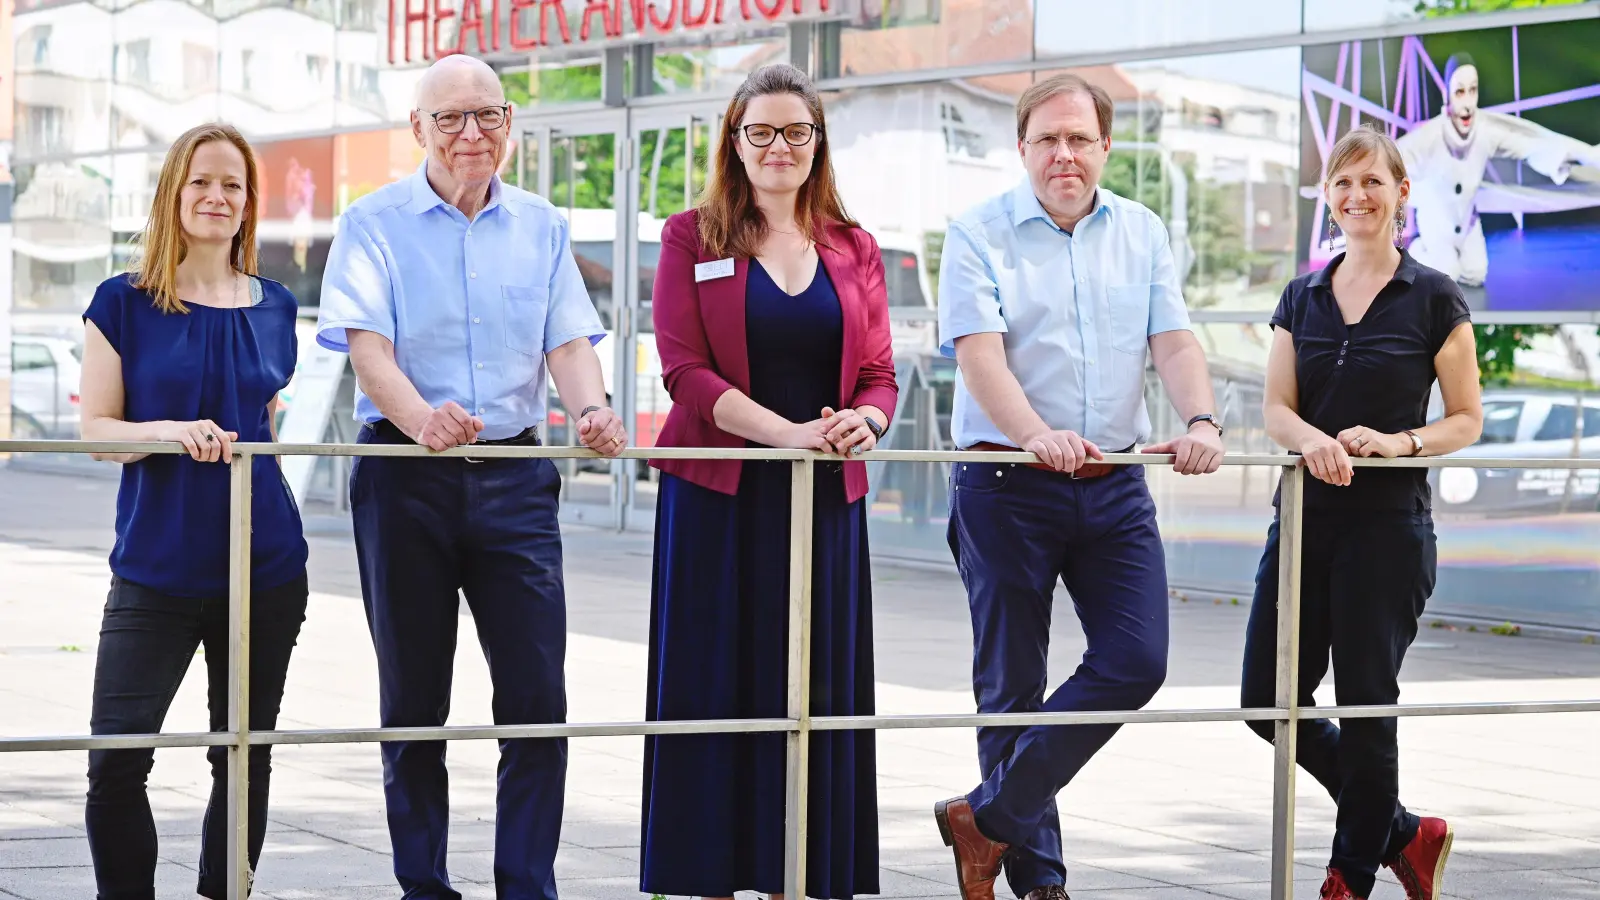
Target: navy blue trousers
<point>1014,530</point>
<point>1365,577</point>
<point>427,530</point>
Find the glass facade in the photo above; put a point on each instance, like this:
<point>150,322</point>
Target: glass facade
<point>1221,105</point>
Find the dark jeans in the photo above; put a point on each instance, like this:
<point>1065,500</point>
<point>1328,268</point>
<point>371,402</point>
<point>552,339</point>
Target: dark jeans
<point>1365,578</point>
<point>147,642</point>
<point>426,530</point>
<point>1014,530</point>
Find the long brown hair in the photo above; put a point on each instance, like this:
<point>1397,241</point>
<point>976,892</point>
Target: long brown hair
<point>730,224</point>
<point>162,246</point>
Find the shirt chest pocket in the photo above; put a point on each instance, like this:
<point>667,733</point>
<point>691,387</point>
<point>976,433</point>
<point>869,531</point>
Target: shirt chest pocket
<point>1128,306</point>
<point>525,310</point>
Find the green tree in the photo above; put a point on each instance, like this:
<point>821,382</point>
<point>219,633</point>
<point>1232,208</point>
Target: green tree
<point>1497,349</point>
<point>1444,8</point>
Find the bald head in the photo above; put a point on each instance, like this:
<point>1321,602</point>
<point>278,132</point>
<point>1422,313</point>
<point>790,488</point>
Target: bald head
<point>463,124</point>
<point>459,75</point>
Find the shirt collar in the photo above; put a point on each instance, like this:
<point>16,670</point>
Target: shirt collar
<point>1406,271</point>
<point>424,197</point>
<point>1025,205</point>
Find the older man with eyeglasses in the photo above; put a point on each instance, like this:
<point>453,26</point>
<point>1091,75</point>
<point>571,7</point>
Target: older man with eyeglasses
<point>1052,298</point>
<point>454,293</point>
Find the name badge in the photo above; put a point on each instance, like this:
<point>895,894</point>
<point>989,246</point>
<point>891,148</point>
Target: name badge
<point>707,271</point>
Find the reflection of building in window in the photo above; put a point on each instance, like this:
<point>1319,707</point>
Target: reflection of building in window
<point>131,61</point>
<point>1200,115</point>
<point>959,139</point>
<point>317,68</point>
<point>247,61</point>
<point>358,15</point>
<point>199,68</point>
<point>39,38</point>
<point>44,129</point>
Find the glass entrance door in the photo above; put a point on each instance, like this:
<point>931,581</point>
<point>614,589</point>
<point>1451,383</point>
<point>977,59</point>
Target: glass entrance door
<point>670,155</point>
<point>617,177</point>
<point>572,162</point>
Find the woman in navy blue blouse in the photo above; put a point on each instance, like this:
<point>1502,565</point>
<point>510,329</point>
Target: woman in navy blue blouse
<point>190,347</point>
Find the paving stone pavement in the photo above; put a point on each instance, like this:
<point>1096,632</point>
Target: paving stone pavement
<point>1166,812</point>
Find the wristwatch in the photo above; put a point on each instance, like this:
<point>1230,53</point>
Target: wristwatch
<point>587,410</point>
<point>1206,417</point>
<point>874,427</point>
<point>1416,442</point>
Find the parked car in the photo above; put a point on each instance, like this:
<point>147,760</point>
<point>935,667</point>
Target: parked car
<point>1527,424</point>
<point>44,387</point>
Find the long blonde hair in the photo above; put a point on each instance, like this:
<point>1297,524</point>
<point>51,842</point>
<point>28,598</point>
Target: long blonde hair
<point>161,246</point>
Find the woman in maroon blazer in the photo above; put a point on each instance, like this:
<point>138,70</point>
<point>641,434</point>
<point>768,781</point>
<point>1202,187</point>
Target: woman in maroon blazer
<point>773,326</point>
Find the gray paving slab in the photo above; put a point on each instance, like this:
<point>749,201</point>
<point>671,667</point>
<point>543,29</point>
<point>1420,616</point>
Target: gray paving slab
<point>1172,811</point>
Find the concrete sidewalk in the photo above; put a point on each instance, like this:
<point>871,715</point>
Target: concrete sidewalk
<point>1176,812</point>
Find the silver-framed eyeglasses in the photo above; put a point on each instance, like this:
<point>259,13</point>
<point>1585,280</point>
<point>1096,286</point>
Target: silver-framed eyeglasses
<point>451,121</point>
<point>1079,144</point>
<point>797,134</point>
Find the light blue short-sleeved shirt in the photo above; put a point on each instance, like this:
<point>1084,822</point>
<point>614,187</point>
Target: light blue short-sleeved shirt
<point>1076,311</point>
<point>472,307</point>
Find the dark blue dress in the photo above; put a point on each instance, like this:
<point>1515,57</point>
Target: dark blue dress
<point>714,804</point>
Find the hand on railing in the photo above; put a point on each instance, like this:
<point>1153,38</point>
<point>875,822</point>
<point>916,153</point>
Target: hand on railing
<point>203,439</point>
<point>1063,451</point>
<point>1197,453</point>
<point>601,431</point>
<point>848,431</point>
<point>1327,460</point>
<point>448,426</point>
<point>1364,441</point>
<point>812,435</point>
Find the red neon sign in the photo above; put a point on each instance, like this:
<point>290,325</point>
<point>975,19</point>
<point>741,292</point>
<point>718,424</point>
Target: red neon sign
<point>597,22</point>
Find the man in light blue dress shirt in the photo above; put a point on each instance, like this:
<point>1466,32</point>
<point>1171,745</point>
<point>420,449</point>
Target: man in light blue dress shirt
<point>454,293</point>
<point>1051,298</point>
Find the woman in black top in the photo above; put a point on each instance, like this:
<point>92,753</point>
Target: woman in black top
<point>1357,348</point>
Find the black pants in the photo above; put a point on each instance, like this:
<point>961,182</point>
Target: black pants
<point>147,641</point>
<point>1365,578</point>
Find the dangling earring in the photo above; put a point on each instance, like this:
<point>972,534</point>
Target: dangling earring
<point>1399,226</point>
<point>1330,230</point>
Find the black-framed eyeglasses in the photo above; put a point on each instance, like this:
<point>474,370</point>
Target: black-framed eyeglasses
<point>451,121</point>
<point>797,134</point>
<point>1079,144</point>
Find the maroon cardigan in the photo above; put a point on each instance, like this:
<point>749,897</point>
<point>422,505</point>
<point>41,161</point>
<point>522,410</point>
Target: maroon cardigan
<point>700,334</point>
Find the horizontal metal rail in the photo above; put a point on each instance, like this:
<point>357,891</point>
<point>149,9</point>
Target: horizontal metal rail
<point>799,724</point>
<point>766,454</point>
<point>766,726</point>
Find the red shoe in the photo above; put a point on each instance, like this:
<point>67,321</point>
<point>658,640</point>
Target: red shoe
<point>1420,866</point>
<point>1335,889</point>
<point>977,857</point>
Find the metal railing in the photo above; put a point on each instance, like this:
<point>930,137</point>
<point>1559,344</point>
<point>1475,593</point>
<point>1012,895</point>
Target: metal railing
<point>799,723</point>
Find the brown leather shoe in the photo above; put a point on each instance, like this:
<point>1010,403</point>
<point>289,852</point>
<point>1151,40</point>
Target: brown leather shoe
<point>1048,892</point>
<point>977,857</point>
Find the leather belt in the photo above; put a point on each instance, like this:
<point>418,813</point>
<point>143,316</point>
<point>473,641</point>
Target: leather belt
<point>391,433</point>
<point>1086,471</point>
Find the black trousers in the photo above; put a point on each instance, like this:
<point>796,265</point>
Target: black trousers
<point>1365,577</point>
<point>147,641</point>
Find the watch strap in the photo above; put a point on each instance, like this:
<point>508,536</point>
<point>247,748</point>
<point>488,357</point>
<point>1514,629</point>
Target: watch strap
<point>587,410</point>
<point>1205,417</point>
<point>874,427</point>
<point>1416,442</point>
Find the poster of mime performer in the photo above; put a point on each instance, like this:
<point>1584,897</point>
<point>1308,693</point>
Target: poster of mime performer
<point>1501,150</point>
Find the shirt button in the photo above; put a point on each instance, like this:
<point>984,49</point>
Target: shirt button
<point>473,275</point>
<point>476,320</point>
<point>1341,362</point>
<point>480,410</point>
<point>480,365</point>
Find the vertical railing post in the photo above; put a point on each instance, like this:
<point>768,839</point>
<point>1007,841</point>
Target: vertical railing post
<point>239,874</point>
<point>799,757</point>
<point>1286,732</point>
